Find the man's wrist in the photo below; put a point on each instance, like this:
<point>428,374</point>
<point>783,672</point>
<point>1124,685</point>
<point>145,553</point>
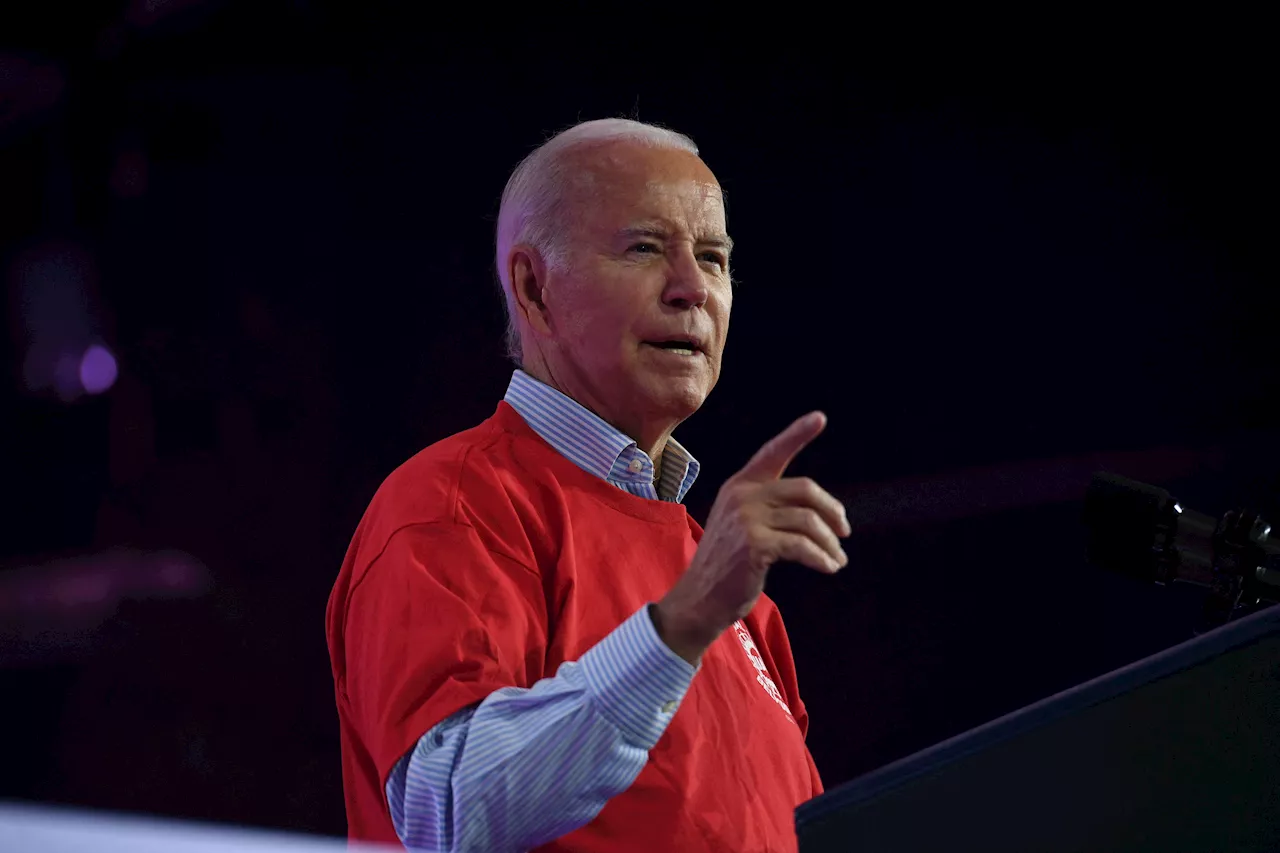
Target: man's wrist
<point>679,639</point>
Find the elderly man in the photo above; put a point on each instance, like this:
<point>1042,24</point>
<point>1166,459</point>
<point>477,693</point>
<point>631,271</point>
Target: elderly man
<point>533,644</point>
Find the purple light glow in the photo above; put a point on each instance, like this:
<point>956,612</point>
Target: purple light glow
<point>97,369</point>
<point>66,377</point>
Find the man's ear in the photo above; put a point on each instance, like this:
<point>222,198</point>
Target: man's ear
<point>528,274</point>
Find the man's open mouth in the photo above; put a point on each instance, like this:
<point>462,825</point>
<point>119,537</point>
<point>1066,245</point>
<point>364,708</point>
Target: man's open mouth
<point>679,346</point>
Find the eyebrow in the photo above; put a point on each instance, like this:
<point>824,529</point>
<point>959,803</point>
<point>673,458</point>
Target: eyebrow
<point>657,232</point>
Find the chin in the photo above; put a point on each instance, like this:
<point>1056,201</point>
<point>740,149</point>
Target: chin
<point>681,398</point>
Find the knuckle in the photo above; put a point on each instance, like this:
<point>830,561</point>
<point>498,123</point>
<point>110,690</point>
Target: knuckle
<point>745,514</point>
<point>811,554</point>
<point>819,555</point>
<point>763,552</point>
<point>811,521</point>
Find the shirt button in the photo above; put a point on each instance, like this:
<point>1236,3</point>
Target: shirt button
<point>669,706</point>
<point>635,466</point>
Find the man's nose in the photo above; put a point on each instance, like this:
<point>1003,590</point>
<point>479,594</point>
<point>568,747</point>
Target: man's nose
<point>686,284</point>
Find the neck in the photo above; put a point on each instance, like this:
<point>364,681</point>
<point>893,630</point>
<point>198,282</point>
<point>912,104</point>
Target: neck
<point>650,437</point>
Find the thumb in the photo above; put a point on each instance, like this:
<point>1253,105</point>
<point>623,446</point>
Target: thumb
<point>772,459</point>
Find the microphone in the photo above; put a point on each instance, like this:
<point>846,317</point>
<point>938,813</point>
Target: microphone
<point>1141,531</point>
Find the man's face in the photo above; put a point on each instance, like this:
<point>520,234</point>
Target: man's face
<point>639,319</point>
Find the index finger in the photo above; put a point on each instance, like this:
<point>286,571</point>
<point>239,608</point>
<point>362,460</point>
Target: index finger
<point>771,460</point>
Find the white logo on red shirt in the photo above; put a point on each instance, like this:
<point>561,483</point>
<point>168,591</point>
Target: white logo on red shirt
<point>762,674</point>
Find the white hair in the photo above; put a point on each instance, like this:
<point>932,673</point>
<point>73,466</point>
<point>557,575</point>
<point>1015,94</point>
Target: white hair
<point>532,203</point>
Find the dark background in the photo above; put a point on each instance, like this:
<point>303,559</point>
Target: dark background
<point>999,253</point>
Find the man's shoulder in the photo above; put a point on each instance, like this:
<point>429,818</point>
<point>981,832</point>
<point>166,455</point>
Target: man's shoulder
<point>478,473</point>
<point>480,484</point>
<point>428,486</point>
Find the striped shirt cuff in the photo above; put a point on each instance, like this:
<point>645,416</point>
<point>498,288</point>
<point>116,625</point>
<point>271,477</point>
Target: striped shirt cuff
<point>636,680</point>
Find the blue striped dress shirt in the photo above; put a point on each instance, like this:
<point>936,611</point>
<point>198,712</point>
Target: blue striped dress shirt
<point>528,765</point>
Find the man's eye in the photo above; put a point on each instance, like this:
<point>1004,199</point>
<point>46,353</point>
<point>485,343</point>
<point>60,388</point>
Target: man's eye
<point>713,258</point>
<point>644,248</point>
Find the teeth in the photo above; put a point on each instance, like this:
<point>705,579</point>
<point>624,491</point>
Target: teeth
<point>679,350</point>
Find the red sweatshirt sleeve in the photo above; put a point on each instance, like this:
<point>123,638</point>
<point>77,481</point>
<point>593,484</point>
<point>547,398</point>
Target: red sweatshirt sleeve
<point>436,623</point>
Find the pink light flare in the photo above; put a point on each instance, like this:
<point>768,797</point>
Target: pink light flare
<point>98,369</point>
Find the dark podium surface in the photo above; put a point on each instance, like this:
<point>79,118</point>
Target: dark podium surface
<point>1177,752</point>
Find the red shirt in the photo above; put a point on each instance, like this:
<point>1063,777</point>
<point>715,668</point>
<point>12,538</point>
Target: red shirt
<point>486,561</point>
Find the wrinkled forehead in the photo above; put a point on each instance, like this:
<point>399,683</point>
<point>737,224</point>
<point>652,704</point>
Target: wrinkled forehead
<point>622,183</point>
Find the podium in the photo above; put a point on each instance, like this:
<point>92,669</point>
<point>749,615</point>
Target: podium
<point>1177,752</point>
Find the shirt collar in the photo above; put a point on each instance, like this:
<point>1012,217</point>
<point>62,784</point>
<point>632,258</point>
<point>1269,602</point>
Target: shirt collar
<point>594,445</point>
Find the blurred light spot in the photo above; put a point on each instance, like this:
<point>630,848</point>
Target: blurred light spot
<point>86,588</point>
<point>97,369</point>
<point>52,283</point>
<point>66,377</point>
<point>50,611</point>
<point>179,575</point>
